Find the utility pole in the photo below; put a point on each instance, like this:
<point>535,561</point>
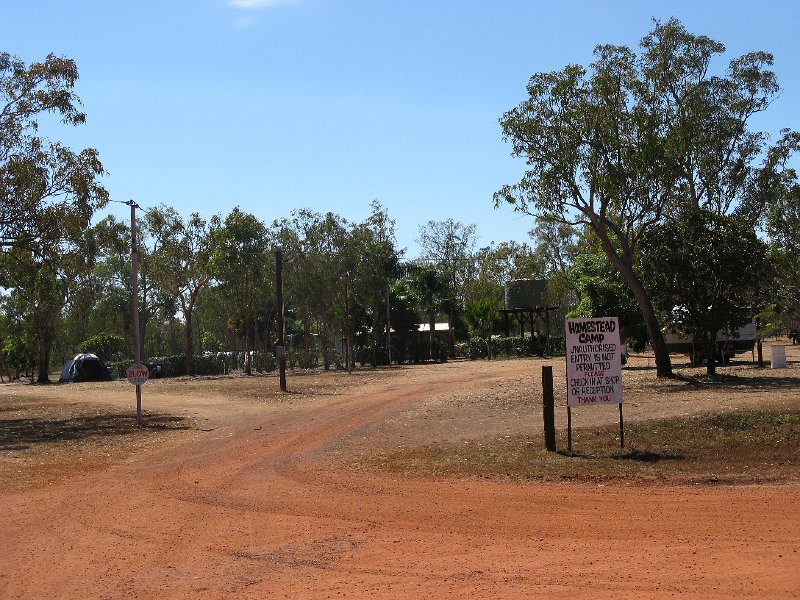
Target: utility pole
<point>137,347</point>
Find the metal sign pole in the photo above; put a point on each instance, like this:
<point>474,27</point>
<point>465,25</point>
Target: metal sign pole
<point>621,428</point>
<point>569,410</point>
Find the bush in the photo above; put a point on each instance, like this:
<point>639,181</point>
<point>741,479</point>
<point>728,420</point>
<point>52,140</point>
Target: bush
<point>211,342</point>
<point>264,362</point>
<point>104,345</point>
<point>507,347</point>
<point>19,356</point>
<point>477,348</point>
<point>173,366</point>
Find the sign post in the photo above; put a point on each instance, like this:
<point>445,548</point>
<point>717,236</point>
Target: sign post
<point>138,374</point>
<point>594,366</point>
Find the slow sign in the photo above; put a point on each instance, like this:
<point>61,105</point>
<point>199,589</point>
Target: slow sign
<point>138,373</point>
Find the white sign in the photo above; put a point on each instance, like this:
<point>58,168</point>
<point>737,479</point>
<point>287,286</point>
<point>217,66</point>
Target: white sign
<point>138,373</point>
<point>594,361</point>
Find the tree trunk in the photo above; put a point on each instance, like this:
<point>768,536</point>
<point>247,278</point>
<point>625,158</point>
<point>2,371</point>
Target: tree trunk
<point>248,364</point>
<point>44,358</point>
<point>431,333</point>
<point>663,362</point>
<point>326,360</point>
<point>374,333</point>
<point>187,315</point>
<point>452,348</point>
<point>711,352</point>
<point>307,344</point>
<point>489,340</point>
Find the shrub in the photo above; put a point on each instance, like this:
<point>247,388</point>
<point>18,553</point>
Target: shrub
<point>19,356</point>
<point>104,345</point>
<point>477,348</point>
<point>506,347</point>
<point>173,366</point>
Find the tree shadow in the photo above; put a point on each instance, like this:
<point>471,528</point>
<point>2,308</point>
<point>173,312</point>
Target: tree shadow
<point>19,434</point>
<point>632,455</point>
<point>753,382</point>
<point>647,457</point>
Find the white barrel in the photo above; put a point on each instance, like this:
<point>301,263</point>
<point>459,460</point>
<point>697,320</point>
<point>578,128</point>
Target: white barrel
<point>778,357</point>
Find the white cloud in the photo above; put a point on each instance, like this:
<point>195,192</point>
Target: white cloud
<point>258,3</point>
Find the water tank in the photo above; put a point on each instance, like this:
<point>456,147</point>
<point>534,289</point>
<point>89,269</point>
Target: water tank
<point>525,293</point>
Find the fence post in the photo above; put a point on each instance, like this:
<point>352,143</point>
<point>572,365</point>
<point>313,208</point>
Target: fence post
<point>548,410</point>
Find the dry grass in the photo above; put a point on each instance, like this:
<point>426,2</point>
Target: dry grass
<point>733,448</point>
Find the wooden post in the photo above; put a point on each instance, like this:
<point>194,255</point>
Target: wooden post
<point>281,349</point>
<point>548,409</point>
<point>569,429</point>
<point>621,428</point>
<point>137,345</point>
<point>348,337</point>
<point>388,325</point>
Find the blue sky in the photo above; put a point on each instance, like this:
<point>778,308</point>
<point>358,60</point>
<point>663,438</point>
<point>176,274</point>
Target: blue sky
<point>272,105</point>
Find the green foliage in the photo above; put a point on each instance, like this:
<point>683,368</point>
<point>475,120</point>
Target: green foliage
<point>482,316</point>
<point>604,293</point>
<point>105,345</point>
<point>174,366</point>
<point>47,191</point>
<point>211,342</point>
<point>783,226</point>
<point>185,248</point>
<point>511,347</point>
<point>769,322</point>
<point>625,143</point>
<point>19,356</point>
<point>712,279</point>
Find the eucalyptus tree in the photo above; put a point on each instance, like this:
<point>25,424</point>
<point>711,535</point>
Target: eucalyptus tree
<point>241,263</point>
<point>783,229</point>
<point>557,245</point>
<point>431,293</point>
<point>621,145</point>
<point>113,299</point>
<point>712,279</point>
<point>101,302</point>
<point>375,260</point>
<point>600,290</point>
<point>313,246</point>
<point>36,286</point>
<point>182,262</point>
<point>17,346</point>
<point>48,192</point>
<point>449,245</point>
<point>44,282</point>
<point>494,267</point>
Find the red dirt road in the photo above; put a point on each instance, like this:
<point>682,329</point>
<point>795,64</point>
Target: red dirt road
<point>256,508</point>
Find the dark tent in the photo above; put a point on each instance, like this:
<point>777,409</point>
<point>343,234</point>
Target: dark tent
<point>84,367</point>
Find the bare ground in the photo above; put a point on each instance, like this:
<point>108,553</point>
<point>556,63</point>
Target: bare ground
<point>234,490</point>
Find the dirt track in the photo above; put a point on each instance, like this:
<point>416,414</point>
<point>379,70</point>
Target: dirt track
<point>255,503</point>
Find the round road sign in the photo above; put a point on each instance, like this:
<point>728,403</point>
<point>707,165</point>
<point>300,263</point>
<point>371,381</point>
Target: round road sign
<point>138,373</point>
